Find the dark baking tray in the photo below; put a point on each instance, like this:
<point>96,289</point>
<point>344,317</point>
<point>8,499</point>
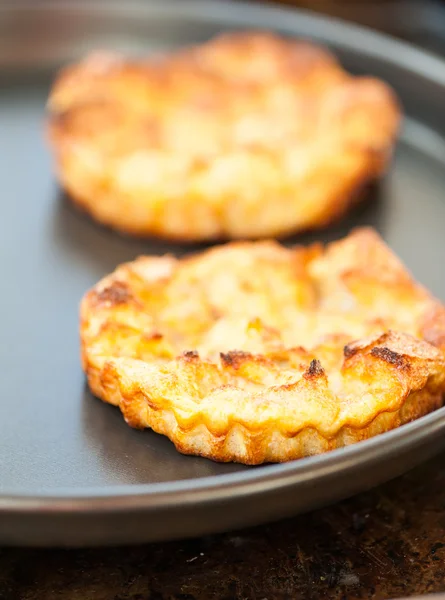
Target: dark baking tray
<point>71,471</point>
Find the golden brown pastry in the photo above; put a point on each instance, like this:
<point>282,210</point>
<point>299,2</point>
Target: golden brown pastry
<point>253,352</point>
<point>246,136</point>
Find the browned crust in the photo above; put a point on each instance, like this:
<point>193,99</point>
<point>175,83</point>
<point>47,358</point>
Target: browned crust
<point>251,352</point>
<point>246,136</point>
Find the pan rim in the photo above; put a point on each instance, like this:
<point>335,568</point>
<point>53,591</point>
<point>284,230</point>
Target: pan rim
<point>130,497</point>
<point>148,496</point>
<point>332,29</point>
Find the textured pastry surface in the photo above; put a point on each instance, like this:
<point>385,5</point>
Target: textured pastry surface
<point>253,352</point>
<point>246,136</point>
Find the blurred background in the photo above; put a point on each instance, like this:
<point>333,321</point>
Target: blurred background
<point>420,21</point>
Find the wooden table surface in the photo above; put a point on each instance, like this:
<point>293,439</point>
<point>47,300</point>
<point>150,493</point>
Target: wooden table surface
<point>387,543</point>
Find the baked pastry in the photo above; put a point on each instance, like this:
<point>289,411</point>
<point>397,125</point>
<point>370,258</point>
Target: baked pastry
<point>253,352</point>
<point>246,136</point>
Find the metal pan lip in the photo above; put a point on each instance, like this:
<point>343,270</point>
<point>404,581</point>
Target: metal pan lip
<point>234,13</point>
<point>229,486</point>
<point>258,480</point>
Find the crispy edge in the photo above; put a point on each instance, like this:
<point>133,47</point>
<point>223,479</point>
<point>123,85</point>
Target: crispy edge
<point>418,366</point>
<point>420,388</point>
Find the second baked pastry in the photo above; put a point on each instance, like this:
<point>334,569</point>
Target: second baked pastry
<point>246,136</point>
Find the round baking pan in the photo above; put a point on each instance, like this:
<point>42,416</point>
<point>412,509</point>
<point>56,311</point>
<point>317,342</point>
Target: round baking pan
<point>71,471</point>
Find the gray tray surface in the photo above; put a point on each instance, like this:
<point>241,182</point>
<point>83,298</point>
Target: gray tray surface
<point>71,471</point>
